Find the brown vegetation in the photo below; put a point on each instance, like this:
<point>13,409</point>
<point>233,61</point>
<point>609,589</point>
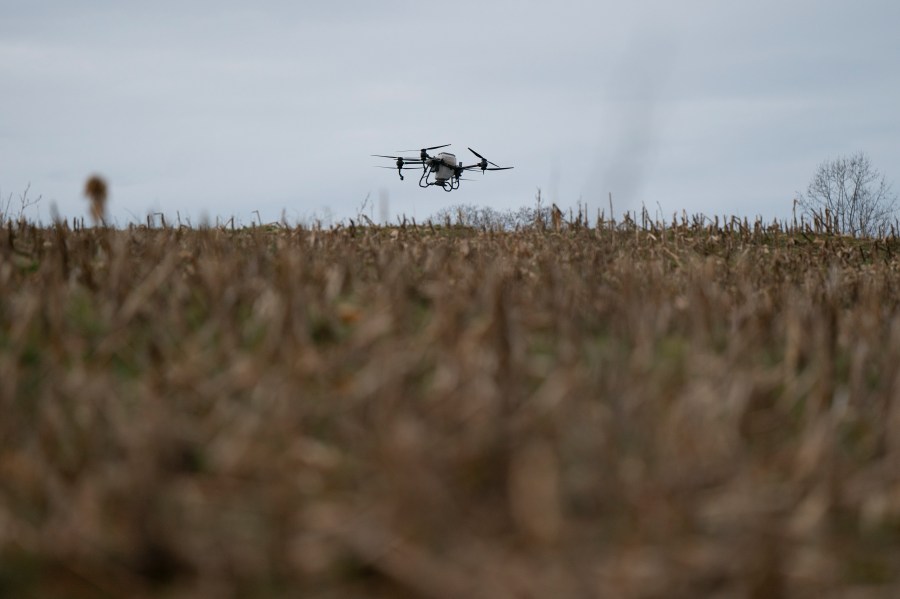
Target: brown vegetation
<point>95,190</point>
<point>696,411</point>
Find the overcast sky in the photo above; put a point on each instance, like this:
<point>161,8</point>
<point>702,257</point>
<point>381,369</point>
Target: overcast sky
<point>220,108</point>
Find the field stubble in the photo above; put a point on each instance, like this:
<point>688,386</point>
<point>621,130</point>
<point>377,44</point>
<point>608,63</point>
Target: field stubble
<point>448,412</point>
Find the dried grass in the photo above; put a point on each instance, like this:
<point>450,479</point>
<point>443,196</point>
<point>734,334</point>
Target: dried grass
<point>444,412</point>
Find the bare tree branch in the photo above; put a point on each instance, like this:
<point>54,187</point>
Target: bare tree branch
<point>25,203</point>
<point>849,192</point>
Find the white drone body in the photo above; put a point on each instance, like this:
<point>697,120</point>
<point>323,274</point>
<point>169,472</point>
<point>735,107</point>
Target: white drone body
<point>443,166</point>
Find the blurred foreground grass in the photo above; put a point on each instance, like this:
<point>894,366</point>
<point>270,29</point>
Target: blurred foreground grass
<point>420,412</point>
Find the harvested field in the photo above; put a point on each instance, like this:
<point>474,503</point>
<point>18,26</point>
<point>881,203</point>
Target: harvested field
<point>695,411</point>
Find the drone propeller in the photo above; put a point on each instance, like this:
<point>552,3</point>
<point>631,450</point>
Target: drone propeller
<point>483,165</point>
<point>423,153</point>
<point>406,168</point>
<point>408,160</point>
<point>478,166</point>
<point>424,149</point>
<point>401,161</point>
<point>483,159</point>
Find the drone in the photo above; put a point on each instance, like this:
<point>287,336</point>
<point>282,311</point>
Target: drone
<point>442,170</point>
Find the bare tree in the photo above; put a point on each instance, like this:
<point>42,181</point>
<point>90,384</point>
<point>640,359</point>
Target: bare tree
<point>851,195</point>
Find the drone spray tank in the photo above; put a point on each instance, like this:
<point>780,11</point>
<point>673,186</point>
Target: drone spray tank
<point>445,167</point>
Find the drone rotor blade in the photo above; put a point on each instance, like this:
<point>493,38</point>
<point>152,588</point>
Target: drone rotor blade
<point>500,168</point>
<point>407,160</point>
<point>431,148</point>
<point>483,158</point>
<point>393,168</point>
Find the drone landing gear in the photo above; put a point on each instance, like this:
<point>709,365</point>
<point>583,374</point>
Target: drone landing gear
<point>445,184</point>
<point>423,180</point>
